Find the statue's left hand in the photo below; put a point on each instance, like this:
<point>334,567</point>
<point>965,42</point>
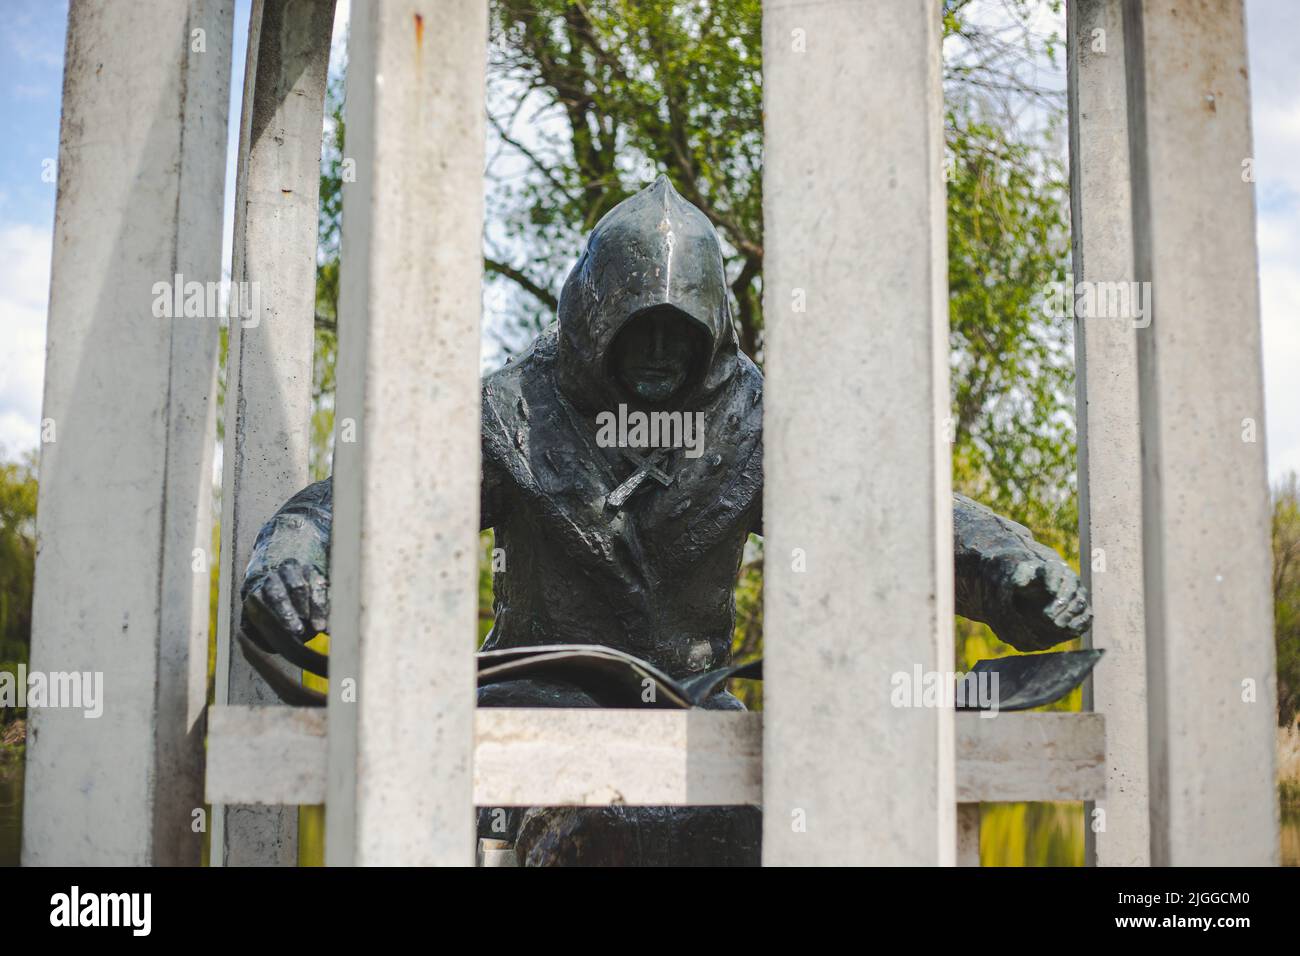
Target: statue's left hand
<point>1040,600</point>
<point>285,607</point>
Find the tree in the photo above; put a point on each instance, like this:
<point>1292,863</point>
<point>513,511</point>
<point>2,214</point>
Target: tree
<point>612,93</point>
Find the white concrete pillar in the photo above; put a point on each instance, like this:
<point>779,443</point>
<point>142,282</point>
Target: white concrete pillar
<point>401,700</point>
<point>269,364</point>
<point>1110,440</point>
<point>1210,661</point>
<point>857,506</point>
<point>121,594</point>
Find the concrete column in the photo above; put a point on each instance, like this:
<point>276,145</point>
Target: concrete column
<point>1210,658</point>
<point>401,700</point>
<point>858,510</point>
<point>269,364</point>
<point>1110,440</point>
<point>121,595</point>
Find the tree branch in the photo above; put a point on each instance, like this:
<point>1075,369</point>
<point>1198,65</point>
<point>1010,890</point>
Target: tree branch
<point>538,292</point>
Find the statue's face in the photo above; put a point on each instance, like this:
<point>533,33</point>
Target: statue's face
<point>653,356</point>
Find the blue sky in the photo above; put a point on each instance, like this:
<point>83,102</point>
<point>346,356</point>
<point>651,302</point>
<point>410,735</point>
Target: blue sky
<point>31,63</point>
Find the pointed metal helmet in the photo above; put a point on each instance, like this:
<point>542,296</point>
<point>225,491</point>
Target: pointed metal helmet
<point>652,249</point>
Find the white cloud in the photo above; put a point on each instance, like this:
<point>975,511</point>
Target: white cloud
<point>24,294</point>
<point>1275,119</point>
<point>1280,305</point>
<point>342,14</point>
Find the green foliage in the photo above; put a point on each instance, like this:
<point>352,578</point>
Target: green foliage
<point>17,572</point>
<point>330,224</point>
<point>1286,596</point>
<point>12,753</point>
<point>1012,369</point>
<point>1031,834</point>
<point>747,638</point>
<point>486,542</point>
<point>610,94</point>
<point>17,562</point>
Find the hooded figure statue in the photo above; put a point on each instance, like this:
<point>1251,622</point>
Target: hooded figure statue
<point>613,537</point>
<point>644,326</point>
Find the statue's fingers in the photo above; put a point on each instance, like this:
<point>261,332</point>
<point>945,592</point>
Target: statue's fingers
<point>319,594</point>
<point>261,621</point>
<point>275,597</point>
<point>1081,610</point>
<point>1077,604</point>
<point>1059,609</point>
<point>1080,602</point>
<point>1080,622</point>
<point>295,582</point>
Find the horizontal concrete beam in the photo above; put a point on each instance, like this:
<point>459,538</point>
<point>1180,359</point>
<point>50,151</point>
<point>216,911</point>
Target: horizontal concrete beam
<point>1014,757</point>
<point>266,755</point>
<point>598,757</point>
<point>643,758</point>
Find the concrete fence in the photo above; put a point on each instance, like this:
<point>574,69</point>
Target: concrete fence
<point>1172,467</point>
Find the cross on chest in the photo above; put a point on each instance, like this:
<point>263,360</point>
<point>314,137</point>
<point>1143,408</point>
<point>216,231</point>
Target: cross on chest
<point>647,467</point>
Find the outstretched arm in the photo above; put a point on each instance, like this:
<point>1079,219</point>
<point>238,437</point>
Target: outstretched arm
<point>1021,589</point>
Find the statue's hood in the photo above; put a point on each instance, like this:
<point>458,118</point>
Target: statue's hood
<point>652,249</point>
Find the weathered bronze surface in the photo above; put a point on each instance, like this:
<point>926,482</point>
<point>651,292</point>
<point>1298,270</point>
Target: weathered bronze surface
<point>635,548</point>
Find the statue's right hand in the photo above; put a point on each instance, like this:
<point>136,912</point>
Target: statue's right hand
<point>288,606</point>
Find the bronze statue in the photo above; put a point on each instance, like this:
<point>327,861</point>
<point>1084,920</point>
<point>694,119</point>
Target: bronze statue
<point>634,548</point>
